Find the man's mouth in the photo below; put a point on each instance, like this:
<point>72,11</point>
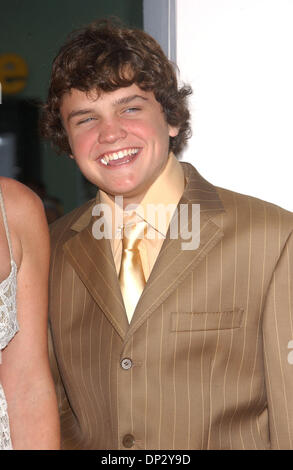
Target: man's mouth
<point>119,158</point>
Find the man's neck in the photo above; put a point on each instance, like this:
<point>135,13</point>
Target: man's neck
<point>128,200</point>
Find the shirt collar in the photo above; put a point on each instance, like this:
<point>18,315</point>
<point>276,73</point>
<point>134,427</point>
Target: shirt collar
<point>166,190</point>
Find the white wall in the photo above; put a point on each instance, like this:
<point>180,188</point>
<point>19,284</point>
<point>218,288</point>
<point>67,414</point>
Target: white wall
<point>238,57</point>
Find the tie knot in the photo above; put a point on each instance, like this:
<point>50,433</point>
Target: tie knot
<point>132,234</point>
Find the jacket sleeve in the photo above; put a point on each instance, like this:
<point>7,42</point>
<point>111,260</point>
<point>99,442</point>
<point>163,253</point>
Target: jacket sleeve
<point>67,419</point>
<point>278,350</point>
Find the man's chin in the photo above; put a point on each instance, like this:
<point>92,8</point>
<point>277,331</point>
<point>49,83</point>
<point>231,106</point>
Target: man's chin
<point>129,196</point>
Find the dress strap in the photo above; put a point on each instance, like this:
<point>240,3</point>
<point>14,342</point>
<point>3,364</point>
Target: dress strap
<point>6,224</point>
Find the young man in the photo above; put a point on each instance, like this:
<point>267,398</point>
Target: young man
<point>202,357</point>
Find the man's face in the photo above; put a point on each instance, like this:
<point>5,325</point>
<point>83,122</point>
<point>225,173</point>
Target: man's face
<point>120,140</point>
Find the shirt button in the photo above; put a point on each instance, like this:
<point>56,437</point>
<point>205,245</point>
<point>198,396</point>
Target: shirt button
<point>128,441</point>
<point>126,363</point>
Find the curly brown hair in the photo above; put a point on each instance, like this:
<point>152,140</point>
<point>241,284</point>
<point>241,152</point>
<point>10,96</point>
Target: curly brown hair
<point>105,56</point>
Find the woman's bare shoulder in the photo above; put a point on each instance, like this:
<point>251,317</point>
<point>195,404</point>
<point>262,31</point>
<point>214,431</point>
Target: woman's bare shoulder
<point>23,206</point>
<point>18,195</point>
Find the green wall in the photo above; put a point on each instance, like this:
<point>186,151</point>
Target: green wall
<point>35,30</point>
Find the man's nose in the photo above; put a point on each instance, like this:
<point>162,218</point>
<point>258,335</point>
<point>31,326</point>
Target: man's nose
<point>111,131</point>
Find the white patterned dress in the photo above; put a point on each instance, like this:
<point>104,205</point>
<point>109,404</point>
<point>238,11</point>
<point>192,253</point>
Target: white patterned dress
<point>8,328</point>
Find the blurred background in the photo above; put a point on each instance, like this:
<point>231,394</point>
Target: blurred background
<point>31,33</point>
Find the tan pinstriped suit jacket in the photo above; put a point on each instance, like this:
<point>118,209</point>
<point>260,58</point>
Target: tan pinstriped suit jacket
<point>210,340</point>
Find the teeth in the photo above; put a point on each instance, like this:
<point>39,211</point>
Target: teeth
<point>118,155</point>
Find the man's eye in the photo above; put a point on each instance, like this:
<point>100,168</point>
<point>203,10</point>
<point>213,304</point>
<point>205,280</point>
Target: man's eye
<point>85,120</point>
<point>131,110</point>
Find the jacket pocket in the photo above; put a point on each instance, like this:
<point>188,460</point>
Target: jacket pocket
<point>203,321</point>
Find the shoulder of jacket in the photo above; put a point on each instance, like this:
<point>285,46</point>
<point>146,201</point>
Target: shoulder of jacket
<point>62,228</point>
<point>259,209</point>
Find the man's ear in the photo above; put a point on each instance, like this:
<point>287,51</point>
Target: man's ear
<point>173,131</point>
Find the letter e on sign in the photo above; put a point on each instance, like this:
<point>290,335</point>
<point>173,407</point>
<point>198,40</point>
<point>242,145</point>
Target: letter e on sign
<point>13,73</point>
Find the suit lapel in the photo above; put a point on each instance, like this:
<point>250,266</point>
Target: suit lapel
<point>173,263</point>
<point>92,260</point>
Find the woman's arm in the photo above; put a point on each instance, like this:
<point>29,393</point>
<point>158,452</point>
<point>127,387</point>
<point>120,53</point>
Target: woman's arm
<point>25,373</point>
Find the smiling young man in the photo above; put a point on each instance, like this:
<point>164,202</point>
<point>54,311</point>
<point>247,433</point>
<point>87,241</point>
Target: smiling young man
<point>201,358</point>
<point>120,139</point>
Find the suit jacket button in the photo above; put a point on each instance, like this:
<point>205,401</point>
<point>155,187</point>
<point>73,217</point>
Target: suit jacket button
<point>126,363</point>
<point>128,441</point>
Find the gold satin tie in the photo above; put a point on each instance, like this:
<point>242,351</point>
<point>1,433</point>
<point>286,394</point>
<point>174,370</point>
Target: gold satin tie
<point>131,276</point>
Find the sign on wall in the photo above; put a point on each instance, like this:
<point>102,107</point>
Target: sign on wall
<point>13,73</point>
